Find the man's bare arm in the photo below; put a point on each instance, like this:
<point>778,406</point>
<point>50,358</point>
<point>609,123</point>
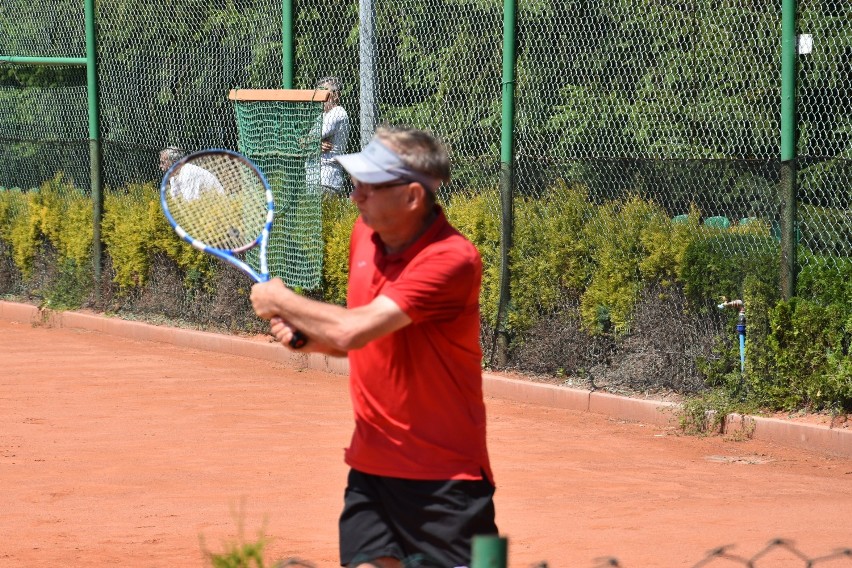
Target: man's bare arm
<point>335,329</point>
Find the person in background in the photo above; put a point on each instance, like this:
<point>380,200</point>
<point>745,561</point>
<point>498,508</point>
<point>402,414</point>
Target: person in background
<point>168,156</point>
<point>190,180</point>
<point>334,137</point>
<point>420,483</point>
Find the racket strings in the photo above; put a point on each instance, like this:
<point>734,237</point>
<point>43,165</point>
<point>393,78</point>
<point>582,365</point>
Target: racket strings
<point>218,199</point>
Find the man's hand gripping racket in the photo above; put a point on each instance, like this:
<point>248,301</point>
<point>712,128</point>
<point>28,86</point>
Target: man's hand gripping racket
<point>220,202</point>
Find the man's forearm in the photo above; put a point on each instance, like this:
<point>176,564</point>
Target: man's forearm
<point>331,327</point>
<point>321,322</point>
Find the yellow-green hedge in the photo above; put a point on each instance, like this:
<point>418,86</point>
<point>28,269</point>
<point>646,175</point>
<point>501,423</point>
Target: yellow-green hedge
<point>134,230</point>
<point>57,212</point>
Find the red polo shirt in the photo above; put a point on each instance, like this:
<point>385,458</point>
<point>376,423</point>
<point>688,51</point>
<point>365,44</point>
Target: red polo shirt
<point>417,392</point>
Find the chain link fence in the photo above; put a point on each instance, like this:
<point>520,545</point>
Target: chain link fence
<point>825,143</point>
<point>778,552</point>
<point>674,103</point>
<point>677,102</point>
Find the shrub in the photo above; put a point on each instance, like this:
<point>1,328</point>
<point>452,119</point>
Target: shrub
<point>665,242</point>
<point>803,335</point>
<point>338,218</point>
<point>618,251</point>
<point>56,218</point>
<point>716,263</point>
<point>134,230</point>
<point>550,258</point>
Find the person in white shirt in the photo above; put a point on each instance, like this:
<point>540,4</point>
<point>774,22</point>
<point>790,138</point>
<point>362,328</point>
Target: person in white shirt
<point>190,181</point>
<point>334,137</point>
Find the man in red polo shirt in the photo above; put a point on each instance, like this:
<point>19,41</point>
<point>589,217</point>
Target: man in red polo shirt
<point>420,484</point>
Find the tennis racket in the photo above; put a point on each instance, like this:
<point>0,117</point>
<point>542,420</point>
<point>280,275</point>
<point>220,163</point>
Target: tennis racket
<point>220,203</point>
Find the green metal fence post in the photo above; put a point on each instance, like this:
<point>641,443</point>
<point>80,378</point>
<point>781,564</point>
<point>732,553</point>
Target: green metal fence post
<point>287,48</point>
<point>489,552</point>
<point>787,177</point>
<point>507,183</point>
<point>95,150</point>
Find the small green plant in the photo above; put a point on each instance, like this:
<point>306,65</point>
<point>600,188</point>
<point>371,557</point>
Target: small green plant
<point>239,555</point>
<point>705,413</point>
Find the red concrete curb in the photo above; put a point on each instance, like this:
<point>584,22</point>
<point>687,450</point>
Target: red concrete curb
<point>656,412</point>
<point>535,393</point>
<point>814,437</point>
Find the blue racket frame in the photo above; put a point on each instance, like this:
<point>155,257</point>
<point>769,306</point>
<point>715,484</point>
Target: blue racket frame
<point>227,255</point>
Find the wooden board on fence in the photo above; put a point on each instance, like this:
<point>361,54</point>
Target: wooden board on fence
<point>286,95</point>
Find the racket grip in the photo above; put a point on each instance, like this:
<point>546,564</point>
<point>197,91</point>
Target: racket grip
<point>298,340</point>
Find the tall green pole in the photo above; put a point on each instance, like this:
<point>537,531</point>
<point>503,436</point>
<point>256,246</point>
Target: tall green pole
<point>95,151</point>
<point>287,44</point>
<point>507,181</point>
<point>787,178</point>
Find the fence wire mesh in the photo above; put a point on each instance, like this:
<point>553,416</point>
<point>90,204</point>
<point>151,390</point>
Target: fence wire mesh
<point>778,552</point>
<point>673,103</point>
<point>825,143</point>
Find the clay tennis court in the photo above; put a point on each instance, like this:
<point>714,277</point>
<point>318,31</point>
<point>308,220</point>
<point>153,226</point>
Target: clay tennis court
<point>120,452</point>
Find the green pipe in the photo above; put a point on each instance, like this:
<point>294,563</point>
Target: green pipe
<point>507,158</point>
<point>287,44</point>
<point>56,61</point>
<point>787,174</point>
<point>507,137</point>
<point>95,151</point>
<point>788,80</point>
<point>489,552</point>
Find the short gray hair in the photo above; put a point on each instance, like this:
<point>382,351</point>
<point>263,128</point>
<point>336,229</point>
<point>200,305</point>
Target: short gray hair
<point>333,84</point>
<point>172,153</point>
<point>419,150</point>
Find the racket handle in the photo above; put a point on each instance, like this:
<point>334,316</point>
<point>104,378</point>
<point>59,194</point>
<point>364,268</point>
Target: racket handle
<point>298,340</point>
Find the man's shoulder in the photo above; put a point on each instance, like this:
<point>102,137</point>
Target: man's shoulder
<point>338,112</point>
<point>450,240</point>
<point>193,170</point>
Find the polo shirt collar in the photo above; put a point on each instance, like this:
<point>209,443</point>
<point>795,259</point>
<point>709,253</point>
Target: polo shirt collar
<point>438,224</point>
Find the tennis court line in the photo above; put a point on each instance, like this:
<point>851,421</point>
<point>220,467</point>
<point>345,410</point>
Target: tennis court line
<point>813,437</point>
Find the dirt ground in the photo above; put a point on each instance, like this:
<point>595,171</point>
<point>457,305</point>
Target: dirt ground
<point>115,452</point>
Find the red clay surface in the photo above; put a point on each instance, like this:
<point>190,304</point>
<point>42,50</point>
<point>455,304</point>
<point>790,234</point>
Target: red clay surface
<point>118,452</point>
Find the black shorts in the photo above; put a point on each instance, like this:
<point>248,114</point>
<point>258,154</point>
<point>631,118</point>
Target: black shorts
<point>429,523</point>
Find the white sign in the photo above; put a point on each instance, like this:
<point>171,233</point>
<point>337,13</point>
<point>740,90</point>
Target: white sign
<point>806,44</point>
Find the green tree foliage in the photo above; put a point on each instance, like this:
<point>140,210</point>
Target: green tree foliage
<point>44,77</point>
<point>30,28</point>
<point>447,82</point>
